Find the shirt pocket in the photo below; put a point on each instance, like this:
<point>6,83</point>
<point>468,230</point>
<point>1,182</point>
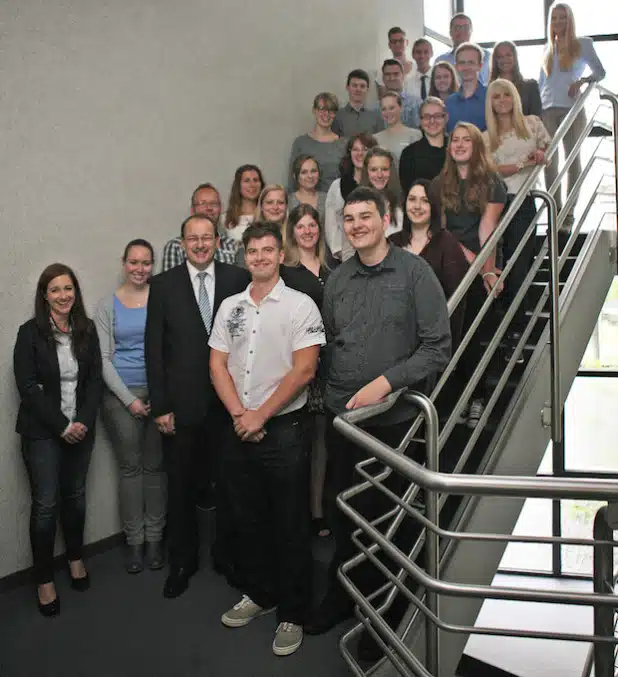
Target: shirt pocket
<point>393,306</point>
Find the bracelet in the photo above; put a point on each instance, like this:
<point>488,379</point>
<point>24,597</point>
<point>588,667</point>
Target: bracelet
<point>491,272</point>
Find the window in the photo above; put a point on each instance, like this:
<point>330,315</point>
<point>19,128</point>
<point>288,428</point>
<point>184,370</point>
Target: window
<point>525,21</point>
<point>437,15</point>
<point>594,17</point>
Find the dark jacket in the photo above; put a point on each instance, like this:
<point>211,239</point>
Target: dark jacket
<point>177,352</point>
<point>37,373</point>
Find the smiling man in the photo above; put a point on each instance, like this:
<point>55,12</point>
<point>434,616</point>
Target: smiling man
<point>264,351</point>
<point>468,104</point>
<point>387,328</point>
<point>355,117</point>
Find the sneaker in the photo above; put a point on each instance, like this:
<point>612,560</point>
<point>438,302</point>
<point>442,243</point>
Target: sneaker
<point>243,613</point>
<point>465,412</point>
<point>476,411</point>
<point>288,638</point>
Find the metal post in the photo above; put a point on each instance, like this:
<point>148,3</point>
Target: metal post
<point>608,96</point>
<point>432,540</point>
<point>603,576</point>
<point>554,315</point>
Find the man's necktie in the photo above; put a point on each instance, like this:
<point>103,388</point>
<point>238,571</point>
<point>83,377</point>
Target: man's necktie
<point>423,87</point>
<point>204,303</point>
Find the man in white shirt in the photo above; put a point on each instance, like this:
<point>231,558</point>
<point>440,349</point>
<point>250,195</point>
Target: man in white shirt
<point>418,81</point>
<point>264,345</point>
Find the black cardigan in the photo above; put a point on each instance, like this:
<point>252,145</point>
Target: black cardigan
<point>37,373</point>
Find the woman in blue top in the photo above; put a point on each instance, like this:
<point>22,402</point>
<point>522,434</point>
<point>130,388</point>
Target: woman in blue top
<point>566,59</point>
<point>121,321</point>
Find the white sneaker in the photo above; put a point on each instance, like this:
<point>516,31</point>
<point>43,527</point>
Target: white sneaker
<point>476,411</point>
<point>288,638</point>
<point>243,613</point>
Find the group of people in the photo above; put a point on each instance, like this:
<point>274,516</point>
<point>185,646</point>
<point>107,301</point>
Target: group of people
<point>218,380</point>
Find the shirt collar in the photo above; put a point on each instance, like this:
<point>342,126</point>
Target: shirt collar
<point>274,294</point>
<point>387,263</point>
<point>350,107</point>
<point>479,89</point>
<point>193,271</point>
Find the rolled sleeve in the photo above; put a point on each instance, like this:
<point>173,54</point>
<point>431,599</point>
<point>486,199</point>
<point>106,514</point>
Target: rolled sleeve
<point>308,326</point>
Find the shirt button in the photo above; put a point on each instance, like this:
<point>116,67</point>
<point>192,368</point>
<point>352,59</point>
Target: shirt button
<point>253,332</point>
<point>247,371</point>
<point>246,393</point>
<point>251,352</point>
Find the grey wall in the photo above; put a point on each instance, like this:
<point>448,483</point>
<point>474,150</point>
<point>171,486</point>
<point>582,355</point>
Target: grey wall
<point>110,113</point>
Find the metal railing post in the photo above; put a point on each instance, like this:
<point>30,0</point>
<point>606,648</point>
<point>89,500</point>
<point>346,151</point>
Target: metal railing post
<point>554,310</point>
<point>608,96</point>
<point>603,577</point>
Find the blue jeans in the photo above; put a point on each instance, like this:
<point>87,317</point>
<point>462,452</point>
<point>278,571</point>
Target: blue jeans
<point>57,473</point>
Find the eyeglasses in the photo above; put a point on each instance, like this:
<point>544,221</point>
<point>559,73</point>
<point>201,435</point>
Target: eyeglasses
<point>194,239</point>
<point>461,27</point>
<point>326,109</point>
<point>432,117</point>
<point>203,203</point>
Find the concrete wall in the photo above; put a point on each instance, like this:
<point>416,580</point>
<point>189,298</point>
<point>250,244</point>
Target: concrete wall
<point>110,113</point>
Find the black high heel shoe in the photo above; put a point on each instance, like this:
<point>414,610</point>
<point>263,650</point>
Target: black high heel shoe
<point>50,609</point>
<point>80,584</point>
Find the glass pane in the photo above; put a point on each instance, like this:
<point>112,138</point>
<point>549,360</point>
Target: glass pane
<point>590,421</point>
<point>530,60</point>
<point>577,522</point>
<point>535,520</point>
<point>437,15</point>
<point>608,53</point>
<point>594,17</point>
<point>602,350</point>
<point>490,25</point>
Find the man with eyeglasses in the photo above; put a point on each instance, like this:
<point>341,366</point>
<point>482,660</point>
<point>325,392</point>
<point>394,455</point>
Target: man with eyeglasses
<point>424,159</point>
<point>461,31</point>
<point>397,43</point>
<point>181,306</point>
<point>205,200</point>
<point>468,104</point>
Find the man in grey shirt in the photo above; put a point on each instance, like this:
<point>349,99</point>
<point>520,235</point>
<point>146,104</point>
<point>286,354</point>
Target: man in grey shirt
<point>387,328</point>
<point>354,117</point>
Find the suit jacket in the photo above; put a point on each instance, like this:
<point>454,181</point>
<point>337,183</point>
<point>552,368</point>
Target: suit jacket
<point>177,352</point>
<point>37,373</point>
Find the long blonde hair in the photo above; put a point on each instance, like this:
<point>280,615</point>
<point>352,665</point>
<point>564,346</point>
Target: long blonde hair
<point>571,51</point>
<point>481,172</point>
<point>517,115</point>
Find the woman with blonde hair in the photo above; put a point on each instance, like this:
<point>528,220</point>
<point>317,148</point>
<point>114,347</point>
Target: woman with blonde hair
<point>566,59</point>
<point>473,197</point>
<point>272,205</point>
<point>517,144</point>
<point>505,64</point>
<point>380,172</point>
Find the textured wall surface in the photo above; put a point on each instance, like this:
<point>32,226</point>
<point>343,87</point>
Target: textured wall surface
<point>110,113</point>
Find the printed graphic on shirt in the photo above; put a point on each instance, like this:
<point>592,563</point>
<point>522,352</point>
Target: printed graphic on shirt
<point>237,322</point>
<point>316,329</point>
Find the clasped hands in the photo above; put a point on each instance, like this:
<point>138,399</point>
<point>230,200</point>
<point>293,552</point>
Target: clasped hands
<point>249,425</point>
<point>75,433</point>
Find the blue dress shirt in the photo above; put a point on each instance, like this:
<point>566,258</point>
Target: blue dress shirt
<point>472,109</point>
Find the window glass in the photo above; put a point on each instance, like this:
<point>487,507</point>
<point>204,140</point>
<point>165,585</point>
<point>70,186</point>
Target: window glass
<point>594,17</point>
<point>437,15</point>
<point>534,520</point>
<point>522,22</point>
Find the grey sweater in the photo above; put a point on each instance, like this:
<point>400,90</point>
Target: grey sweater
<point>104,322</point>
<point>328,156</point>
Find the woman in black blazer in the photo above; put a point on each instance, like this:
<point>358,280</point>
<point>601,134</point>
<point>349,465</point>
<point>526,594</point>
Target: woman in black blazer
<point>57,366</point>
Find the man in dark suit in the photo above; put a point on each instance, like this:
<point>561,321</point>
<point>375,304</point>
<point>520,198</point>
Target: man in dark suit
<point>181,307</point>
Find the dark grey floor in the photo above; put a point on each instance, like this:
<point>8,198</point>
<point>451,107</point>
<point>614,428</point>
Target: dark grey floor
<point>123,627</point>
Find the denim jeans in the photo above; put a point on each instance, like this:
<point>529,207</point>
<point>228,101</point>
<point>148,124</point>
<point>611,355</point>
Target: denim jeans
<point>57,473</point>
<point>268,485</point>
<point>143,487</point>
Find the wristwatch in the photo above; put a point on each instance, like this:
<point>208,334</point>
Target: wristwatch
<point>520,165</point>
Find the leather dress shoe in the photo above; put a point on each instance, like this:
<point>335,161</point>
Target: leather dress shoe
<point>155,555</point>
<point>178,580</point>
<point>134,558</point>
<point>50,609</point>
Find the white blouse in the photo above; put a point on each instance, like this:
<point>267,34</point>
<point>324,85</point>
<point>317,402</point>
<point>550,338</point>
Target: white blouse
<point>68,374</point>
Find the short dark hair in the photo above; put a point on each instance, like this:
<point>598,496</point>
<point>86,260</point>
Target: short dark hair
<point>421,41</point>
<point>394,30</point>
<point>138,242</point>
<point>203,186</point>
<point>459,15</point>
<point>392,62</point>
<point>199,217</point>
<point>358,74</point>
<point>259,229</point>
<point>367,194</point>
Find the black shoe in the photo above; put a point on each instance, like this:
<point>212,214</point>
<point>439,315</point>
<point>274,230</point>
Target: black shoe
<point>155,555</point>
<point>178,580</point>
<point>134,558</point>
<point>326,617</point>
<point>50,609</point>
<point>368,649</point>
<point>80,584</point>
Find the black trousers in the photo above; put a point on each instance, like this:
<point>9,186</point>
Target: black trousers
<point>512,237</point>
<point>268,488</point>
<point>57,473</point>
<point>343,455</point>
<point>189,462</point>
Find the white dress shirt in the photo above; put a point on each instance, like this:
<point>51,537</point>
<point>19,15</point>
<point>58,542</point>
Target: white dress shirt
<point>209,282</point>
<point>260,341</point>
<point>413,81</point>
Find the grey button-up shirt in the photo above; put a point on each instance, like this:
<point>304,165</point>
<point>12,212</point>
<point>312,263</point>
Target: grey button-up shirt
<point>390,320</point>
<point>350,121</point>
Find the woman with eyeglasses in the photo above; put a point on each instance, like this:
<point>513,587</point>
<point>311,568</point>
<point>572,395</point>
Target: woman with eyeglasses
<point>505,65</point>
<point>424,159</point>
<point>351,168</point>
<point>321,143</point>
